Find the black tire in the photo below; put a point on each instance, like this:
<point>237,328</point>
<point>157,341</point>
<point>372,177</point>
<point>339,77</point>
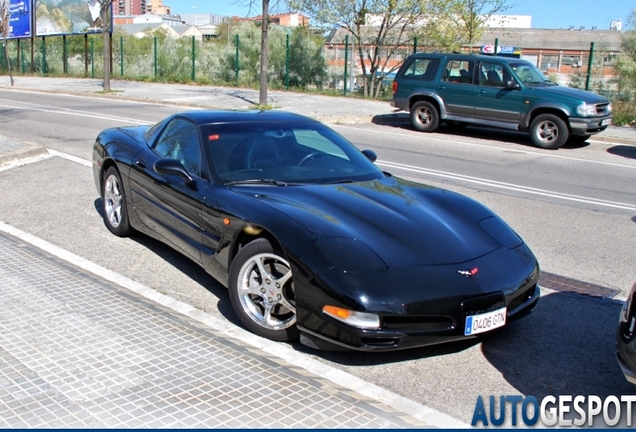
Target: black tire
<point>577,139</point>
<point>424,116</point>
<point>548,131</point>
<point>262,291</point>
<point>114,204</point>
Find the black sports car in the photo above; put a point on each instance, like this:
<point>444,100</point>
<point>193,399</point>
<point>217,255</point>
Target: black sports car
<point>626,337</point>
<point>311,238</point>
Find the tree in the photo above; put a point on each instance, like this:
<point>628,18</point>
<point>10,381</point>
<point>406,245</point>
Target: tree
<point>472,15</point>
<point>262,96</point>
<point>623,104</point>
<point>4,29</point>
<point>379,29</point>
<point>100,11</point>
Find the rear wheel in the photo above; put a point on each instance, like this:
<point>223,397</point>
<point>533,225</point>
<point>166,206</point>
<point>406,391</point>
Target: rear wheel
<point>424,116</point>
<point>114,202</point>
<point>548,131</point>
<point>262,291</point>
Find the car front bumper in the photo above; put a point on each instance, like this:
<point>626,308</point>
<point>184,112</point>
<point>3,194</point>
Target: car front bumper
<point>417,306</point>
<point>589,126</point>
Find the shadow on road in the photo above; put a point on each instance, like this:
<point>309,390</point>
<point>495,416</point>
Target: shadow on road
<point>401,121</point>
<point>625,151</point>
<point>186,266</point>
<point>570,340</point>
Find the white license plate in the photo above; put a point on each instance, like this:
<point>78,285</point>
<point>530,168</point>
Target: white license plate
<point>481,323</point>
<point>606,122</point>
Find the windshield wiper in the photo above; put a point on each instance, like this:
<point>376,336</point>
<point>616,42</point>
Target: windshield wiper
<point>258,181</point>
<point>339,181</point>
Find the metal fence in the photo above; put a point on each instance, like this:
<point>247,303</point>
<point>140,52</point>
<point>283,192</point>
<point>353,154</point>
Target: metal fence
<point>588,65</point>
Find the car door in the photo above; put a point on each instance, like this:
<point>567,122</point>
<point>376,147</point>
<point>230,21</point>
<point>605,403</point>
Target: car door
<point>456,88</point>
<point>494,101</point>
<point>166,203</point>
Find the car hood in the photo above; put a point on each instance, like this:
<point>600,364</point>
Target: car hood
<point>574,93</point>
<point>404,223</point>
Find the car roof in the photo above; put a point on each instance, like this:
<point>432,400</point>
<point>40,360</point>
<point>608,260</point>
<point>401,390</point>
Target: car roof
<point>241,116</point>
<point>477,57</point>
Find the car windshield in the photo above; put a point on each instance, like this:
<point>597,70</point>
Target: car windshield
<point>283,153</point>
<point>529,74</point>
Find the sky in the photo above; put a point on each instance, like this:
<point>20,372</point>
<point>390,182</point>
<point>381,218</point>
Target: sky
<point>545,13</point>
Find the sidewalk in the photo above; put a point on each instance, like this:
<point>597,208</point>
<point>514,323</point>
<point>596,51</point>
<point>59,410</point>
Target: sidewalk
<point>78,351</point>
<point>328,109</point>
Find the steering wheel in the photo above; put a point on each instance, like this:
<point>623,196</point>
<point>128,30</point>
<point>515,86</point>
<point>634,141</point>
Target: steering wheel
<point>528,79</point>
<point>311,156</point>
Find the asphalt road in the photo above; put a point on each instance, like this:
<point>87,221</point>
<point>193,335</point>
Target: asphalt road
<point>573,207</point>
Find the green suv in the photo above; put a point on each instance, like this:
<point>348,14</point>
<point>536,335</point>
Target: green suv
<point>502,92</point>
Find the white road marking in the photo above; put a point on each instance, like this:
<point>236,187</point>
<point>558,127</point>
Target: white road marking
<point>66,111</point>
<point>67,156</point>
<point>414,409</point>
<point>509,186</point>
<point>547,153</point>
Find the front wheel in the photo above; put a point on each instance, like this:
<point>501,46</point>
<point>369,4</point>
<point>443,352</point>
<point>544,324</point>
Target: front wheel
<point>114,202</point>
<point>548,131</point>
<point>424,116</point>
<point>262,291</point>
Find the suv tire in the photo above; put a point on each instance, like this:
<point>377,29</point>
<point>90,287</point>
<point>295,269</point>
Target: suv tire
<point>548,131</point>
<point>424,116</point>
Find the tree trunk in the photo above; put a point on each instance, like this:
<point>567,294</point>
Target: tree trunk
<point>106,37</point>
<point>262,97</point>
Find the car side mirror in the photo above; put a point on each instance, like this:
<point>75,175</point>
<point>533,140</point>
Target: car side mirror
<point>512,85</point>
<point>173,167</point>
<point>370,154</point>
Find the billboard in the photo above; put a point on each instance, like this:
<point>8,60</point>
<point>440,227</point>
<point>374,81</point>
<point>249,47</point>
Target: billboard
<point>19,19</point>
<point>65,17</point>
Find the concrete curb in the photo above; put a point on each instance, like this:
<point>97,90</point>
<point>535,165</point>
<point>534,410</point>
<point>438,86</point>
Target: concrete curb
<point>28,151</point>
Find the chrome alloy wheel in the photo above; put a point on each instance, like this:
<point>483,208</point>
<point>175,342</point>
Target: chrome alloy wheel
<point>424,116</point>
<point>547,132</point>
<point>265,291</point>
<point>113,200</point>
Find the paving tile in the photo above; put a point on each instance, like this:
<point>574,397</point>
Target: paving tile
<point>76,351</point>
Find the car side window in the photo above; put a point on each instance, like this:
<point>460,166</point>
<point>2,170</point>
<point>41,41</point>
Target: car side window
<point>423,69</point>
<point>493,75</point>
<point>459,71</point>
<point>180,141</point>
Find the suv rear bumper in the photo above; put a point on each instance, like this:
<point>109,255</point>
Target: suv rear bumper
<point>589,126</point>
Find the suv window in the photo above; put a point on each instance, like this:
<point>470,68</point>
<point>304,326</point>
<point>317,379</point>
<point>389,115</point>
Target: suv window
<point>459,71</point>
<point>422,68</point>
<point>493,75</point>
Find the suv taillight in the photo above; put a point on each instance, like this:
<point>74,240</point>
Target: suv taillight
<point>394,86</point>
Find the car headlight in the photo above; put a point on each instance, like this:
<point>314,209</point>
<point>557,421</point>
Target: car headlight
<point>586,110</point>
<point>349,254</point>
<point>361,320</point>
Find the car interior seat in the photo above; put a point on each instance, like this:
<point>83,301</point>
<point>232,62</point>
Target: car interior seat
<point>263,153</point>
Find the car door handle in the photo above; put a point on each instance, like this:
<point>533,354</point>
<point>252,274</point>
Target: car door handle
<point>442,87</point>
<point>141,163</point>
<point>482,91</point>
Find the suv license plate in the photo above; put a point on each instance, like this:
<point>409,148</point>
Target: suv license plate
<point>606,122</point>
<point>485,322</point>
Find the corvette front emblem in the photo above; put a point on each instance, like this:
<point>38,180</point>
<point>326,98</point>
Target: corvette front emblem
<point>469,273</point>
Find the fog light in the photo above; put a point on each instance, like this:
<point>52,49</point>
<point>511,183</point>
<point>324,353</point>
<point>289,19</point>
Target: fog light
<point>361,320</point>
